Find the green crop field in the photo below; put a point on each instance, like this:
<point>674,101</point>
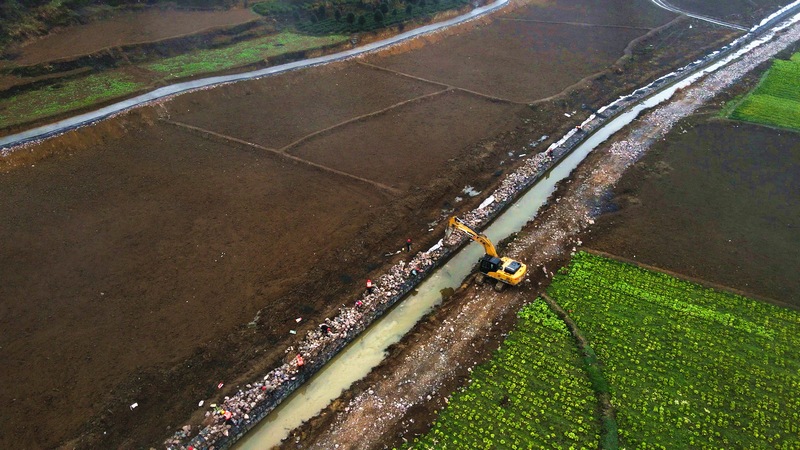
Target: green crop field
<point>688,366</point>
<point>776,100</point>
<point>534,393</point>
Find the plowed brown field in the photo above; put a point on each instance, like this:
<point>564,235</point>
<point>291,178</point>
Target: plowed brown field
<point>276,111</point>
<point>361,147</point>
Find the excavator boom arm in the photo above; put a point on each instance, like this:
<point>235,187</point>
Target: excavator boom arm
<point>456,224</point>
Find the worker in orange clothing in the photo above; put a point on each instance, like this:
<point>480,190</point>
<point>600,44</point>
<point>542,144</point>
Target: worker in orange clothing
<point>300,361</point>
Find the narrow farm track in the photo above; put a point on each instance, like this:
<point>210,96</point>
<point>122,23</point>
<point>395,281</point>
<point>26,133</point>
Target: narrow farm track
<point>208,134</point>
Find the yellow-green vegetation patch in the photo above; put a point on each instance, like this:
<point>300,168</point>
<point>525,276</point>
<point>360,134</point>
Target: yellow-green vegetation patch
<point>66,96</point>
<point>776,100</point>
<point>242,53</point>
<point>687,366</point>
<point>533,393</point>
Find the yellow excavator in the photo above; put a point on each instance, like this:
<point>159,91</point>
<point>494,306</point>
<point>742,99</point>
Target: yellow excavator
<point>503,270</point>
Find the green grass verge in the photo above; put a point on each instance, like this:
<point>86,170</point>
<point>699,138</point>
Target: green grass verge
<point>776,100</point>
<point>242,53</point>
<point>688,366</point>
<point>67,96</point>
<point>533,393</point>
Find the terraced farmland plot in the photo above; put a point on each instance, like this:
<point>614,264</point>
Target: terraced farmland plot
<point>532,394</point>
<point>688,366</point>
<point>776,100</point>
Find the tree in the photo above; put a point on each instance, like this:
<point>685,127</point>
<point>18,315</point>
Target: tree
<point>337,15</point>
<point>321,12</point>
<point>422,4</point>
<point>351,18</point>
<point>362,21</point>
<point>409,9</point>
<point>384,8</point>
<point>378,16</point>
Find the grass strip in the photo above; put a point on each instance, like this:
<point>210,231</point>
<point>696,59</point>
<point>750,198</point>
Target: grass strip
<point>608,427</point>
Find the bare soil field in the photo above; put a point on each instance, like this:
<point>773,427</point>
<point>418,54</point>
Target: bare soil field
<point>717,201</point>
<point>141,251</point>
<point>382,147</point>
<point>276,111</point>
<point>128,27</point>
<point>529,67</point>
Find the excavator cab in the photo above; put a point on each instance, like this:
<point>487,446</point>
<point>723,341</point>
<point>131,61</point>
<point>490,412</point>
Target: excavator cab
<point>489,264</point>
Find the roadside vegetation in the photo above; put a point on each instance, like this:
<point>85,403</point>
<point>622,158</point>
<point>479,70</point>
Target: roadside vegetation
<point>533,393</point>
<point>776,100</point>
<point>66,96</point>
<point>239,54</point>
<point>687,366</point>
